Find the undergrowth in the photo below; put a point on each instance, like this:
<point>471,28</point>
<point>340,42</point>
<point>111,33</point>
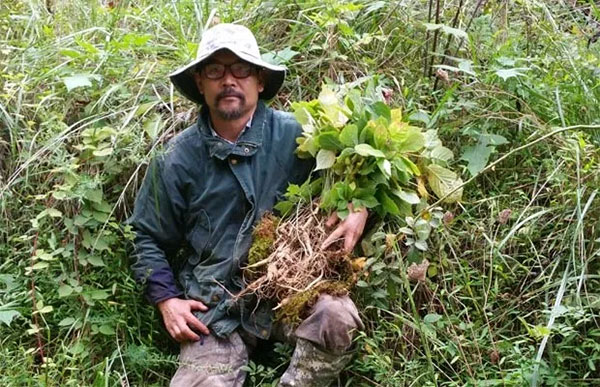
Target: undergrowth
<point>511,295</point>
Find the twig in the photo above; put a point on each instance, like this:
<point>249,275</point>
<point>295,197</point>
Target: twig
<point>426,53</point>
<point>449,40</point>
<point>435,36</point>
<point>473,15</point>
<point>33,300</point>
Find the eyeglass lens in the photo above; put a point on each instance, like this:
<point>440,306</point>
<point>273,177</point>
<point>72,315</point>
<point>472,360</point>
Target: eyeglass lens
<point>217,70</point>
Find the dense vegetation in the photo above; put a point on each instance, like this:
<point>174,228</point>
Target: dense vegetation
<point>511,294</point>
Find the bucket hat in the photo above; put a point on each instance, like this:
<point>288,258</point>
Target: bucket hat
<point>240,41</point>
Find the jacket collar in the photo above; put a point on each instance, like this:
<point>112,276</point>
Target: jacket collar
<point>248,143</point>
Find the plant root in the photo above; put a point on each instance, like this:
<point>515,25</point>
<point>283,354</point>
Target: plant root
<point>296,269</point>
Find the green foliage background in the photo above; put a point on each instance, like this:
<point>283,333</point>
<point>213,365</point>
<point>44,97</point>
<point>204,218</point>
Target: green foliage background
<point>512,293</point>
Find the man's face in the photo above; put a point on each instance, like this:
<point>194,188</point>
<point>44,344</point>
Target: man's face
<point>229,97</point>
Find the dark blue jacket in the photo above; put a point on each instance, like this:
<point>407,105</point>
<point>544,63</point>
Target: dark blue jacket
<point>194,215</point>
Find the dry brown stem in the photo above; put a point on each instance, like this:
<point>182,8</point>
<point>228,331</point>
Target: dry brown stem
<point>297,263</point>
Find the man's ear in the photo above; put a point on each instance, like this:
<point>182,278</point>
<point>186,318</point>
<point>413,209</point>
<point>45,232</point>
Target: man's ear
<point>262,76</point>
<point>198,81</point>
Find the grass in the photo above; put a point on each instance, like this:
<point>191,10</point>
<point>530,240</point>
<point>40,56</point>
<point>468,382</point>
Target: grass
<point>508,301</point>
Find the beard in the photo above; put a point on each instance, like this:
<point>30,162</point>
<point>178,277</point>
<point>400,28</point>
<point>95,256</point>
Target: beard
<point>231,113</point>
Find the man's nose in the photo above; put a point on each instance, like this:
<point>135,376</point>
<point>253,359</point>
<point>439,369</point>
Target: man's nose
<point>228,78</point>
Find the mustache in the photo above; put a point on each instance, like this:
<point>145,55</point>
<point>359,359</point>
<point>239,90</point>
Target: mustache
<point>230,92</point>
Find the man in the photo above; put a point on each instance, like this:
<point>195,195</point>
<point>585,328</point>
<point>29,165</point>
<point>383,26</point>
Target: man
<point>205,192</point>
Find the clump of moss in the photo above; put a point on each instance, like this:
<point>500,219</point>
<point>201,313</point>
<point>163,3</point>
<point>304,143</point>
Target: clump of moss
<point>297,307</point>
<point>263,238</point>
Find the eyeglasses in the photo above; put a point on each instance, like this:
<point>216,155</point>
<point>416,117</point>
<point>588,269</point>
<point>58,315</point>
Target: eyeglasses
<point>238,70</point>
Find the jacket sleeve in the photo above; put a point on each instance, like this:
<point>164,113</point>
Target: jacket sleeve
<point>157,222</point>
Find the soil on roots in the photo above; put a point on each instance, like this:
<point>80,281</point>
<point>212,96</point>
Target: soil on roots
<point>294,269</point>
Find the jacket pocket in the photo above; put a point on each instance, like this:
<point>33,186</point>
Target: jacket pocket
<point>208,292</point>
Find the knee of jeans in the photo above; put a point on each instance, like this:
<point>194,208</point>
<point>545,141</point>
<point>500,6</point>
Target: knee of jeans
<point>332,324</point>
<point>338,311</point>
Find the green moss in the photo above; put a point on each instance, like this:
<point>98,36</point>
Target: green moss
<point>263,238</point>
<point>297,308</point>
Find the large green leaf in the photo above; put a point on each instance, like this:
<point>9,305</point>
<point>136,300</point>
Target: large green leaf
<point>336,113</point>
<point>477,157</point>
<point>64,290</point>
<point>358,203</point>
<point>349,135</point>
<point>408,196</point>
<point>431,139</point>
<point>408,166</point>
<point>385,167</point>
<point>443,181</point>
<point>307,147</point>
<point>380,109</point>
<point>329,140</point>
<point>7,316</point>
<point>80,80</point>
<point>407,138</point>
<point>153,125</point>
<point>325,159</point>
<point>368,150</point>
<point>388,205</point>
<point>511,73</point>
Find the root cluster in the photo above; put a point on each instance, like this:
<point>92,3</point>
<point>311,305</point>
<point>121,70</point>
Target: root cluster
<point>295,263</point>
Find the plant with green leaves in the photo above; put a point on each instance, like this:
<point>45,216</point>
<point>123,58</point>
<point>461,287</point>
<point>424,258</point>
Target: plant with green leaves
<point>371,157</point>
<point>367,156</point>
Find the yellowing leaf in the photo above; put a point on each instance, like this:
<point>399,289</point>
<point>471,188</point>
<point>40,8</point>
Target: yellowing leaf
<point>421,189</point>
<point>441,153</point>
<point>103,152</point>
<point>444,182</point>
<point>53,212</point>
<point>396,115</point>
<point>359,263</point>
<point>407,138</point>
<point>332,109</point>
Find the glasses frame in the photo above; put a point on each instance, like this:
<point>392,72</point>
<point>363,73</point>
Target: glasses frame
<point>230,68</point>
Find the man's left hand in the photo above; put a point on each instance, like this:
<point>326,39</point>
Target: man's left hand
<point>350,229</point>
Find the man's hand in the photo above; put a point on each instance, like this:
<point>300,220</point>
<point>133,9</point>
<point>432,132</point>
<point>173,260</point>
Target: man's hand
<point>350,229</point>
<point>178,318</point>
